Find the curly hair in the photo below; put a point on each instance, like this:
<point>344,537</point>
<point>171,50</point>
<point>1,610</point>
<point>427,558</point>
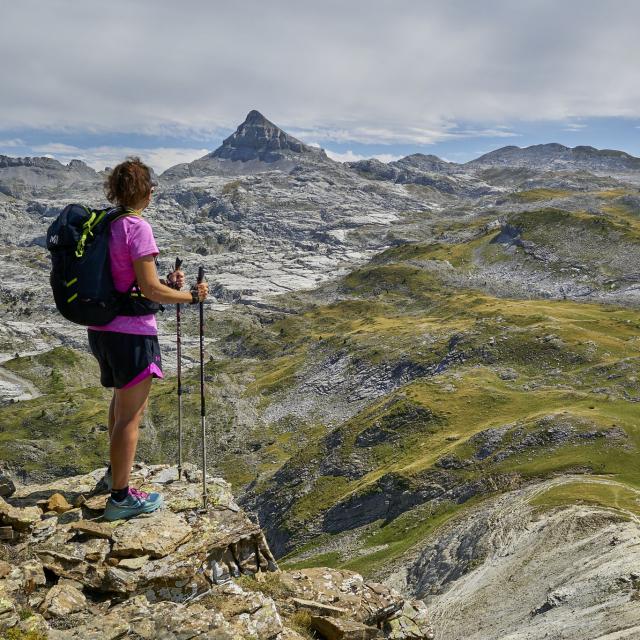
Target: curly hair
<point>128,183</point>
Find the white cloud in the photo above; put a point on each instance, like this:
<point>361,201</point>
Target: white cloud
<point>386,157</point>
<point>58,149</point>
<point>374,72</point>
<point>350,156</point>
<point>574,126</point>
<point>11,143</point>
<point>160,158</point>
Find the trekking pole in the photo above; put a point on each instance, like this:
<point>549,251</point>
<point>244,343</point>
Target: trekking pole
<point>179,357</point>
<point>203,414</point>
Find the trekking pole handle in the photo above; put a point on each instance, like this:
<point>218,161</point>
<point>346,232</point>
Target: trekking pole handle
<point>178,264</point>
<point>200,274</point>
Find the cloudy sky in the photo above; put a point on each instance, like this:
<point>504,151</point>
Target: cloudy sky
<point>101,79</point>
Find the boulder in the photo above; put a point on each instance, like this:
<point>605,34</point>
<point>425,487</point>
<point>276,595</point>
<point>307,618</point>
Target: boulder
<point>412,621</point>
<point>62,600</point>
<point>20,518</point>
<point>58,503</point>
<point>367,603</point>
<point>35,624</point>
<point>73,515</point>
<point>7,487</point>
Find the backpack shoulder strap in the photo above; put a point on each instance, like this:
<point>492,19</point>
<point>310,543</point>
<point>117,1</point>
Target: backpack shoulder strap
<point>119,212</point>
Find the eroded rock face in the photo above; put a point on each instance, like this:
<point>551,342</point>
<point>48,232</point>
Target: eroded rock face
<point>338,594</point>
<point>259,139</point>
<point>180,572</point>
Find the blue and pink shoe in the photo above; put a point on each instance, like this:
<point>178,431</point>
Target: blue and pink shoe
<point>136,503</point>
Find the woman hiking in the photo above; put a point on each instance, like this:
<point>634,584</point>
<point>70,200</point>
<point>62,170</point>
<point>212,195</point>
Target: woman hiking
<point>127,348</point>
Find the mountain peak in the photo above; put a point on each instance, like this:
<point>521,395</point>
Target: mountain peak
<point>256,118</point>
<point>260,139</point>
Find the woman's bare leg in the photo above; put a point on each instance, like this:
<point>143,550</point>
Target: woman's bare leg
<point>112,413</point>
<point>129,407</point>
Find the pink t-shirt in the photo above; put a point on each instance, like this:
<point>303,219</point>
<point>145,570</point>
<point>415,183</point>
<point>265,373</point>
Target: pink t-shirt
<point>130,238</point>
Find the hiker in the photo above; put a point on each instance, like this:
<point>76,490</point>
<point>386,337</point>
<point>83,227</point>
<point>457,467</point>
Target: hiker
<point>127,348</point>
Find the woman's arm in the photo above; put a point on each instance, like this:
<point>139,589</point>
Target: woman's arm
<point>152,288</point>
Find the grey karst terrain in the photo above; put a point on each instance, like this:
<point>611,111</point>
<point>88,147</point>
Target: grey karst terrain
<point>422,372</point>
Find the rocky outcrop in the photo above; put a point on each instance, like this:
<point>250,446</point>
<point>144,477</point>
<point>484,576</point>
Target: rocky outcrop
<point>507,569</point>
<point>22,177</point>
<point>259,139</point>
<point>180,572</point>
<point>256,146</point>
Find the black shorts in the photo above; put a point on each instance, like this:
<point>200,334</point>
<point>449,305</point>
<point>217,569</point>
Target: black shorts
<point>125,358</point>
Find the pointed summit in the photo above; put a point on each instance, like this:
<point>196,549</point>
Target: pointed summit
<point>256,118</point>
<point>259,139</point>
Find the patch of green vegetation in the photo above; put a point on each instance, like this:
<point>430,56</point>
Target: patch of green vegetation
<point>276,374</point>
<point>326,490</point>
<point>231,187</point>
<point>66,432</point>
<point>601,492</point>
<point>538,195</point>
<point>18,634</point>
<point>331,559</point>
<point>395,538</point>
<point>56,370</point>
<point>301,622</point>
<point>269,583</point>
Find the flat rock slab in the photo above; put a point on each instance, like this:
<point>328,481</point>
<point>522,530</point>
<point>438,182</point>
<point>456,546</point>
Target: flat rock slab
<point>133,563</point>
<point>20,518</point>
<point>94,529</point>
<point>96,503</point>
<point>62,600</point>
<point>319,608</point>
<point>156,536</point>
<point>341,629</point>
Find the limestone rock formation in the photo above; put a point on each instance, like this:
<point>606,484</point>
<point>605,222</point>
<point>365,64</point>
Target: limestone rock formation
<point>21,177</point>
<point>257,146</point>
<point>259,139</point>
<point>554,156</point>
<point>176,573</point>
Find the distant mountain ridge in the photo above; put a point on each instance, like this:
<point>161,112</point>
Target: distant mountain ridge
<point>554,156</point>
<point>30,175</point>
<point>259,145</point>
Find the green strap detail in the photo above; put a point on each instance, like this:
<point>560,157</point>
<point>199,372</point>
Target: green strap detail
<point>72,298</point>
<point>87,230</point>
<point>68,284</point>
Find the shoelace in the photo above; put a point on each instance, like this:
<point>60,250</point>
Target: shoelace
<point>136,493</point>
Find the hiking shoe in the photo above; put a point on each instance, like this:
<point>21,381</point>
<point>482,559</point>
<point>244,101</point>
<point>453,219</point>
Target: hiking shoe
<point>104,485</point>
<point>135,504</point>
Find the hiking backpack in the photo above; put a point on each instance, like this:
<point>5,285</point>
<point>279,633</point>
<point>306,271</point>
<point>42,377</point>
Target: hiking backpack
<point>83,289</point>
